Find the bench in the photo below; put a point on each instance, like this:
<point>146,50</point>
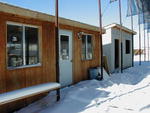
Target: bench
<point>28,92</point>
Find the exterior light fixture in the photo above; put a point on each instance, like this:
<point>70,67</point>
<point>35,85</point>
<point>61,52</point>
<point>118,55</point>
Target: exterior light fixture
<point>80,34</point>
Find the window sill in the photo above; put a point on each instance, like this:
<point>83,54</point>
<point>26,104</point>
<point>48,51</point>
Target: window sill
<point>27,66</point>
<point>87,59</point>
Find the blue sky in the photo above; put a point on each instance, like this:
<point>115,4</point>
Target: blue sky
<point>80,10</point>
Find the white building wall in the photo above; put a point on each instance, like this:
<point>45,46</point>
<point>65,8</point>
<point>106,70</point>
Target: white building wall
<point>109,50</point>
<point>107,37</point>
<point>115,35</point>
<point>127,58</point>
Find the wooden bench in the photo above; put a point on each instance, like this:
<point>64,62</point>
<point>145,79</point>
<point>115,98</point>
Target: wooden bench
<point>28,92</point>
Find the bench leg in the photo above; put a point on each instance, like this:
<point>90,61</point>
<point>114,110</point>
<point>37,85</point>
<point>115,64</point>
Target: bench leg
<point>58,94</point>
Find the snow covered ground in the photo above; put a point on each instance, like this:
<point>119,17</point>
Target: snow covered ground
<point>121,93</point>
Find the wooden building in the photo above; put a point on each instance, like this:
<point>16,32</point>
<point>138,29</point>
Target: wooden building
<point>27,51</point>
<point>112,46</point>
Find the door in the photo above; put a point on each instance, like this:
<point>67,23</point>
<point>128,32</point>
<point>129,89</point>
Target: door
<point>65,57</point>
<point>116,53</point>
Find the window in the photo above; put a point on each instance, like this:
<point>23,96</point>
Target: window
<point>127,46</point>
<point>87,48</point>
<point>22,45</point>
<point>64,43</point>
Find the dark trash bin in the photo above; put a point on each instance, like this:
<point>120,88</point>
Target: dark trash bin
<point>94,73</point>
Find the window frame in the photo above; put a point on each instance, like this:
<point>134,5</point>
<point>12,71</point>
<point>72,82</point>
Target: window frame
<point>86,47</point>
<point>24,48</point>
<point>128,51</point>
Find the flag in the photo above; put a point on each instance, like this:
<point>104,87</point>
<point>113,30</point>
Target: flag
<point>146,26</point>
<point>144,5</point>
<point>132,8</point>
<point>112,1</point>
<point>138,7</point>
<point>145,18</point>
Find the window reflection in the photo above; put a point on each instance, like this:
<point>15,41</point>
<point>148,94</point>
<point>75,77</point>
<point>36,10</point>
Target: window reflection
<point>87,48</point>
<point>64,43</point>
<point>84,47</point>
<point>31,40</point>
<point>22,45</point>
<point>14,45</point>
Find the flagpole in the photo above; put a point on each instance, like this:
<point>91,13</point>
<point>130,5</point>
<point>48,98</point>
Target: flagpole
<point>132,34</point>
<point>144,32</point>
<point>57,47</point>
<point>144,46</point>
<point>148,43</point>
<point>139,38</point>
<point>120,15</point>
<point>100,35</point>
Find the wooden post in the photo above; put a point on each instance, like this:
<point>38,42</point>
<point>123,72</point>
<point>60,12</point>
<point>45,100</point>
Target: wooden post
<point>100,36</point>
<point>57,47</point>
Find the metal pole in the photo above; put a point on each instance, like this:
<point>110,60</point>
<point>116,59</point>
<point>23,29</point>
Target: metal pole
<point>57,46</point>
<point>144,32</point>
<point>100,28</point>
<point>144,46</point>
<point>148,44</point>
<point>132,50</point>
<point>139,38</point>
<point>121,35</point>
<point>132,34</point>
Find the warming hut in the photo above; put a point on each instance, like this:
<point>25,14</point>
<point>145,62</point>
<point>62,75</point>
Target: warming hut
<point>112,46</point>
<point>27,58</point>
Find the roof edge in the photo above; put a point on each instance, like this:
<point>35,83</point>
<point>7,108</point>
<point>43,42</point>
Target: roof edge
<point>16,10</point>
<point>118,26</point>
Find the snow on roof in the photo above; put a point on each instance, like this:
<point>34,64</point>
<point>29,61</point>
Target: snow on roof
<point>6,8</point>
<point>115,25</point>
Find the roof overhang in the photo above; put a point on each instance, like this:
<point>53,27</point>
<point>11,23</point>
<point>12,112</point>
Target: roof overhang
<point>114,25</point>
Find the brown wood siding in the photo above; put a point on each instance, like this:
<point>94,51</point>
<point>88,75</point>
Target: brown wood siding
<point>80,67</point>
<point>20,78</point>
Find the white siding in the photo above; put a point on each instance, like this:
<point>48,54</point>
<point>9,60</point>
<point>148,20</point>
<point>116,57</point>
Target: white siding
<point>108,47</point>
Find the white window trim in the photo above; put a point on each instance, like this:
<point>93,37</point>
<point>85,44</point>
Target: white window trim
<point>24,53</point>
<point>20,24</point>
